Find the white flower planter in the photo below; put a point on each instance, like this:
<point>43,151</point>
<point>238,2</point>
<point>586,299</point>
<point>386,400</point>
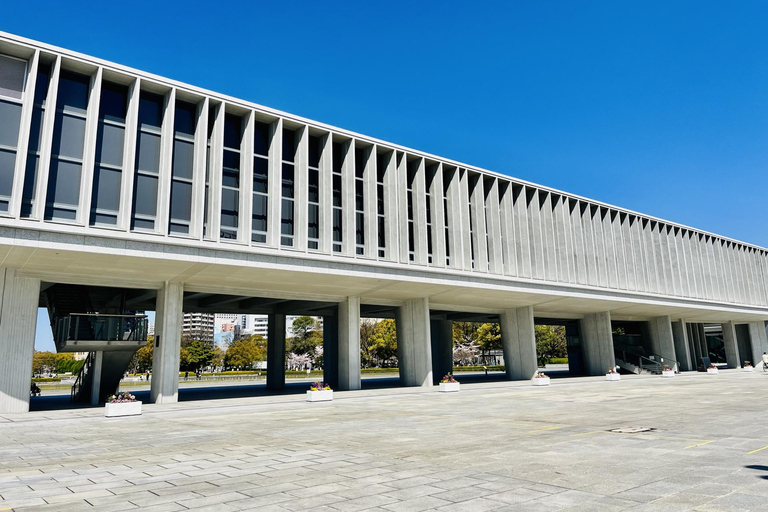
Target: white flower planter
<point>122,409</point>
<point>541,381</point>
<point>449,387</point>
<point>712,371</point>
<point>668,373</point>
<point>324,395</point>
<point>612,376</point>
<point>748,368</point>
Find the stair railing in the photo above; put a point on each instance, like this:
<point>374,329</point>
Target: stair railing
<point>84,371</point>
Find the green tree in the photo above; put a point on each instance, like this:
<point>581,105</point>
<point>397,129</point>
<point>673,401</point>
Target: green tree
<point>550,342</point>
<point>489,337</point>
<point>383,343</point>
<point>367,326</point>
<point>195,354</point>
<point>307,336</point>
<point>465,333</point>
<point>142,359</point>
<point>243,353</point>
<point>43,362</point>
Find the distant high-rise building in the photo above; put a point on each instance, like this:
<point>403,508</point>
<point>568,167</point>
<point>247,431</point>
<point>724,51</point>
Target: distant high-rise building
<point>198,326</point>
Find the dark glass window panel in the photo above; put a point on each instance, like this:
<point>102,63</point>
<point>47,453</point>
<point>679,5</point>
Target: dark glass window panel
<point>409,196</point>
<point>447,244</point>
<point>313,228</point>
<point>381,167</point>
<point>359,185</point>
<point>106,184</point>
<point>104,219</point>
<point>7,163</point>
<point>150,110</point>
<point>312,244</point>
<point>61,214</point>
<point>359,228</point>
<point>289,145</point>
<point>287,182</point>
<point>114,102</point>
<point>336,190</point>
<point>12,77</point>
<point>143,224</point>
<point>445,212</point>
<point>145,196</point>
<point>338,156</point>
<point>261,139</point>
<point>178,229</point>
<point>68,136</point>
<point>230,206</point>
<point>260,175</point>
<point>183,159</point>
<point>410,236</point>
<point>36,129</point>
<point>429,210</point>
<point>412,168</point>
<point>336,247</point>
<point>185,119</point>
<point>73,92</point>
<point>380,199</point>
<point>314,186</point>
<point>230,178</point>
<point>64,183</point>
<point>336,225</point>
<point>259,238</point>
<point>314,151</point>
<point>149,152</point>
<point>360,162</point>
<point>259,220</point>
<point>10,117</point>
<point>360,251</point>
<point>429,239</point>
<point>110,146</point>
<point>41,85</point>
<point>181,200</point>
<point>231,160</point>
<point>228,234</point>
<point>232,133</point>
<point>286,217</point>
<point>30,184</point>
<point>382,235</point>
<point>286,241</point>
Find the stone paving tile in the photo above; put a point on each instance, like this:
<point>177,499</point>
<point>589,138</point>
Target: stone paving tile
<point>416,504</point>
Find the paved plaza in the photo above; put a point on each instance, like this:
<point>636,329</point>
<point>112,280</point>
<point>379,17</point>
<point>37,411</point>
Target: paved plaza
<point>493,446</point>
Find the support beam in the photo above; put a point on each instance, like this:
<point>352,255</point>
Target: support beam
<point>597,341</point>
<point>276,351</point>
<point>414,343</point>
<point>165,360</point>
<point>518,341</point>
<point>18,318</point>
<point>759,339</point>
<point>731,347</point>
<point>682,350</point>
<point>441,333</point>
<point>98,360</point>
<point>349,344</point>
<point>662,339</point>
<point>331,350</point>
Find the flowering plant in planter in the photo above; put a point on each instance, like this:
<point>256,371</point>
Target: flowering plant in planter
<point>319,386</point>
<point>667,368</point>
<point>540,375</point>
<point>747,363</point>
<point>121,398</point>
<point>611,371</point>
<point>448,378</point>
<point>712,366</point>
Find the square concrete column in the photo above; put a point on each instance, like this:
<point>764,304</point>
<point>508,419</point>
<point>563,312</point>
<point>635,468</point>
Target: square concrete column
<point>441,334</point>
<point>414,345</point>
<point>682,349</point>
<point>597,338</point>
<point>98,363</point>
<point>276,351</point>
<point>19,298</point>
<point>349,344</point>
<point>518,341</point>
<point>331,350</point>
<point>731,346</point>
<point>164,387</point>
<point>759,339</point>
<point>662,338</point>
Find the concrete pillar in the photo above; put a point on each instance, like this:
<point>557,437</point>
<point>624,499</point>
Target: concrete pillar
<point>98,359</point>
<point>597,339</point>
<point>276,351</point>
<point>441,334</point>
<point>349,344</point>
<point>682,350</point>
<point>731,347</point>
<point>19,297</point>
<point>703,345</point>
<point>759,339</point>
<point>331,350</point>
<point>414,344</point>
<point>662,339</point>
<point>165,360</point>
<point>518,341</point>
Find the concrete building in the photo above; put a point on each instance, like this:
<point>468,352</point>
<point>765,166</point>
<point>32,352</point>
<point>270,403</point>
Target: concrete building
<point>123,191</point>
<point>198,326</point>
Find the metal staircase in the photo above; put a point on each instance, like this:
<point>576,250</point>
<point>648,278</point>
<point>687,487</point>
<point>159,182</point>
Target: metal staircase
<point>636,360</point>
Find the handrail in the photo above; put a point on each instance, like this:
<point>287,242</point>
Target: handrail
<point>75,391</point>
<point>108,315</point>
<point>96,327</point>
<point>655,359</point>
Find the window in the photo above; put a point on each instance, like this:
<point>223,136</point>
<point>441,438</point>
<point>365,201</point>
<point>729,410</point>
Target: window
<point>413,166</point>
<point>12,73</point>
<point>108,171</point>
<point>230,177</point>
<point>260,182</point>
<point>147,161</point>
<point>67,153</point>
<point>431,171</point>
<point>206,199</point>
<point>182,169</point>
<point>338,164</point>
<point>313,196</point>
<point>472,221</point>
<point>35,134</point>
<point>381,169</point>
<point>361,158</point>
<point>287,188</point>
<point>446,181</point>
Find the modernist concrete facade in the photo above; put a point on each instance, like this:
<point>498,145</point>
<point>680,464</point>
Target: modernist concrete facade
<point>110,176</point>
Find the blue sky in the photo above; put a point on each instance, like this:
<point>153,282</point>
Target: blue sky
<point>660,107</point>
